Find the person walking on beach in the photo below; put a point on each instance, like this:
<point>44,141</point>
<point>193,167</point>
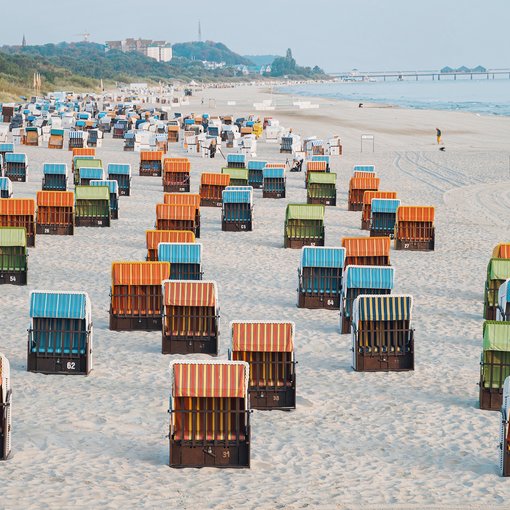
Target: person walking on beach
<point>438,136</point>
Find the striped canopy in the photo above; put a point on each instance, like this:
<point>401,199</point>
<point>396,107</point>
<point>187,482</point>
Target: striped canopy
<point>256,165</point>
<point>363,168</point>
<point>385,205</point>
<point>182,199</point>
<point>154,237</point>
<point>230,196</point>
<point>215,179</point>
<point>318,256</point>
<point>6,147</point>
<point>366,246</point>
<point>84,151</point>
<point>59,305</point>
<point>498,269</point>
<point>13,236</point>
<point>368,183</point>
<point>321,158</point>
<point>496,336</point>
<point>12,157</point>
<point>55,169</point>
<point>273,173</point>
<point>180,253</point>
<point>415,213</point>
<point>322,178</point>
<point>87,161</point>
<point>254,336</point>
<point>75,135</point>
<point>140,273</point>
<point>305,212</point>
<point>382,308</point>
<point>316,166</point>
<point>17,206</point>
<point>92,193</point>
<point>111,184</point>
<point>369,277</point>
<point>501,251</point>
<point>151,155</point>
<point>236,158</point>
<point>189,293</point>
<point>209,378</point>
<point>91,173</point>
<point>177,165</point>
<point>55,199</point>
<point>119,169</point>
<point>176,212</point>
<point>236,173</point>
<point>369,195</point>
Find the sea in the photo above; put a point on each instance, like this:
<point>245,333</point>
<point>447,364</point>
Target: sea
<point>480,95</point>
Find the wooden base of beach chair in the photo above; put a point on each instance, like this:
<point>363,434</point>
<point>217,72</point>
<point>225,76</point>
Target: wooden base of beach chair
<point>56,230</point>
<point>236,226</point>
<point>354,206</point>
<point>92,222</point>
<point>129,148</point>
<point>144,172</point>
<point>331,201</point>
<point>345,324</point>
<point>318,301</point>
<point>273,194</point>
<point>153,323</point>
<point>382,233</point>
<point>211,202</point>
<point>190,345</point>
<point>299,243</point>
<point>383,362</point>
<point>273,398</point>
<point>60,146</point>
<point>16,178</point>
<point>64,364</point>
<point>254,185</point>
<point>13,277</point>
<point>185,454</point>
<point>491,399</point>
<point>124,192</point>
<point>177,188</point>
<point>114,214</point>
<point>414,245</point>
<point>365,224</point>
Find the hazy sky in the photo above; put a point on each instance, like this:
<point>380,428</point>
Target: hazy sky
<point>335,34</point>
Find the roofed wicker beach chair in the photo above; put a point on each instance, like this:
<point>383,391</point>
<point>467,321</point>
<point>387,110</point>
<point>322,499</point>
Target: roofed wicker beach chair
<point>122,174</point>
<point>155,237</point>
<point>89,162</point>
<point>192,199</point>
<point>255,177</point>
<point>16,166</point>
<point>498,271</point>
<point>238,176</point>
<point>366,210</point>
<point>314,167</point>
<point>236,160</point>
<point>304,225</point>
<point>151,163</point>
<point>414,228</point>
<point>211,188</point>
<point>176,175</point>
<point>19,212</point>
<point>274,182</point>
<point>268,347</point>
<point>209,414</point>
<point>190,317</point>
<point>13,256</point>
<point>176,217</point>
<point>185,260</point>
<point>321,188</point>
<point>382,333</point>
<point>320,277</point>
<point>54,177</point>
<point>77,140</point>
<point>5,408</point>
<point>136,295</point>
<point>113,187</point>
<point>494,364</point>
<point>357,188</point>
<point>359,280</point>
<point>56,140</point>
<point>60,333</point>
<point>383,217</point>
<point>55,212</point>
<point>92,206</point>
<point>237,209</point>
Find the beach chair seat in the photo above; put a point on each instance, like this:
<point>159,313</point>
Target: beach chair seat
<point>92,206</point>
<point>321,188</point>
<point>55,212</point>
<point>237,209</point>
<point>54,177</point>
<point>209,424</point>
<point>16,167</point>
<point>304,225</point>
<point>274,181</point>
<point>255,175</point>
<point>122,174</point>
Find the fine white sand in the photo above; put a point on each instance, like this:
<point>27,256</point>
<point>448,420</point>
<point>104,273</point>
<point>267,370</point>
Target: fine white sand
<point>356,440</point>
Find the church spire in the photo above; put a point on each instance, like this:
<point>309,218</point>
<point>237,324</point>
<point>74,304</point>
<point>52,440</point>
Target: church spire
<point>24,41</point>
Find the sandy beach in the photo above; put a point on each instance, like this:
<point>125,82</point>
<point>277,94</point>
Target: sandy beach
<point>409,440</point>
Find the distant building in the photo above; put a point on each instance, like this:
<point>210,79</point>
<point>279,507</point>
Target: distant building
<point>464,69</point>
<point>158,50</point>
